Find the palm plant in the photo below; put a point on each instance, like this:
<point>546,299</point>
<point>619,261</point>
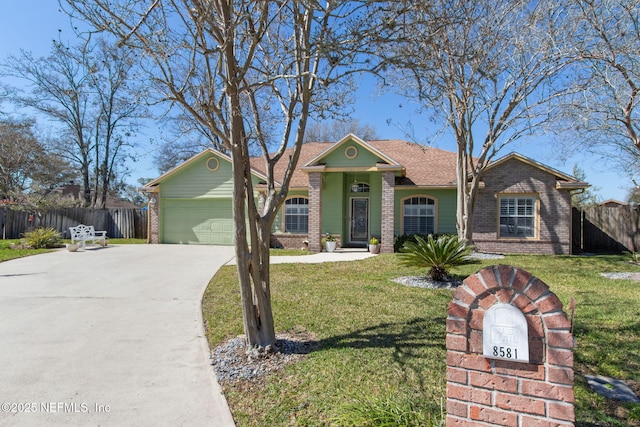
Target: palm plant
<point>439,255</point>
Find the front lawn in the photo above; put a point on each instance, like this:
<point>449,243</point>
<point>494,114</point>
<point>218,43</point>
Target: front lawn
<point>382,345</point>
<point>7,254</point>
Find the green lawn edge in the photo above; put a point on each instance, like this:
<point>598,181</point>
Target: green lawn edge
<point>382,355</point>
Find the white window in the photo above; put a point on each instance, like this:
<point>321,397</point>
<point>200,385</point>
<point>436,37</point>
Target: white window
<point>517,216</point>
<point>296,215</point>
<point>419,215</point>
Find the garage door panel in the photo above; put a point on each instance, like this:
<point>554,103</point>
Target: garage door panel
<point>199,222</point>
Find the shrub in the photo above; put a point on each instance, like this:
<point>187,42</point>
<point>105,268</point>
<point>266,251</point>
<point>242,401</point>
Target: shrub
<point>400,240</point>
<point>439,255</point>
<point>42,238</point>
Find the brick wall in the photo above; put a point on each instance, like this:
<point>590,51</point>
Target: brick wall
<point>315,209</point>
<point>554,210</point>
<point>388,213</point>
<point>154,221</point>
<point>489,392</point>
<point>290,241</point>
<point>296,241</point>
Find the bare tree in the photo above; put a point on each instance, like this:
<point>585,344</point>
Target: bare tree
<point>604,114</point>
<point>332,131</point>
<point>119,103</point>
<point>249,72</point>
<point>88,90</point>
<point>586,198</point>
<point>25,163</point>
<point>485,68</point>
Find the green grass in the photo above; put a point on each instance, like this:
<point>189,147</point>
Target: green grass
<point>288,252</point>
<point>382,354</point>
<point>7,254</point>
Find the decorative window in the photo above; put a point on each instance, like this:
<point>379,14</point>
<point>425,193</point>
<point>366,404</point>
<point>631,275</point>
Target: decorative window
<point>419,215</point>
<point>517,216</point>
<point>296,215</point>
<point>359,187</point>
<point>351,152</point>
<point>213,164</point>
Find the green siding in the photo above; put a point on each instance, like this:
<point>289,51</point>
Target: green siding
<point>446,214</point>
<point>333,209</point>
<point>374,180</point>
<point>197,181</point>
<point>337,157</point>
<point>196,203</point>
<point>375,204</point>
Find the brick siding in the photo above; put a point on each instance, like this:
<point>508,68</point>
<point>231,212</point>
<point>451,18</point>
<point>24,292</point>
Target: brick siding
<point>388,213</point>
<point>488,392</point>
<point>315,209</point>
<point>154,219</point>
<point>553,227</point>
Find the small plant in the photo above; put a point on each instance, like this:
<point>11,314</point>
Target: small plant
<point>439,255</point>
<point>329,237</point>
<point>374,241</point>
<point>635,256</point>
<point>42,238</point>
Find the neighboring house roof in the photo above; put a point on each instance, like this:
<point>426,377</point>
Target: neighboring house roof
<point>563,181</point>
<point>612,203</point>
<point>74,192</point>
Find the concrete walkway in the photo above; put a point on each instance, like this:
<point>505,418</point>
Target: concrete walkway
<point>109,337</point>
<point>337,256</point>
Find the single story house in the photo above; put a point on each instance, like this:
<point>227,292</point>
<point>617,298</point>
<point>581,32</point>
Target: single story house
<point>357,189</point>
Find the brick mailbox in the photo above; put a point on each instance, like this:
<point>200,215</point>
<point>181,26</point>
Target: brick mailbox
<point>509,353</point>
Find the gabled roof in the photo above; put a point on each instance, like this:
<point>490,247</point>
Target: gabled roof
<point>416,165</point>
<point>351,138</point>
<point>150,186</point>
<point>564,181</point>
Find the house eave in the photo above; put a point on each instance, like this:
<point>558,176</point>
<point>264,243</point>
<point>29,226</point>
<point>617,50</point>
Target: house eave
<point>313,168</point>
<point>564,185</point>
<point>426,187</point>
<point>149,189</point>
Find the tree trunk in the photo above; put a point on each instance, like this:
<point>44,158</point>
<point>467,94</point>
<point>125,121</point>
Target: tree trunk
<point>252,265</point>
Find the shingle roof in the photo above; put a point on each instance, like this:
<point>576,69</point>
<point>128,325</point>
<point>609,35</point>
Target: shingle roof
<point>424,166</point>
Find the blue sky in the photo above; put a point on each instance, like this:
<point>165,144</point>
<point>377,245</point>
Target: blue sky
<point>31,25</point>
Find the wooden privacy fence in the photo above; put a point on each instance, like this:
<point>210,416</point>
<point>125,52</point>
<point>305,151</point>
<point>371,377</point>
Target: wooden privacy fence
<point>117,222</point>
<point>602,229</point>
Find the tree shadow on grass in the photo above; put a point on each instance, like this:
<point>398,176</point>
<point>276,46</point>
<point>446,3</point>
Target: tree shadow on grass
<point>412,341</point>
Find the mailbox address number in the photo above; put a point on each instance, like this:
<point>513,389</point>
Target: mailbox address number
<point>505,352</point>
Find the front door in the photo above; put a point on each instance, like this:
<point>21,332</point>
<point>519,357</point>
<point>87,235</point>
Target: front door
<point>359,220</point>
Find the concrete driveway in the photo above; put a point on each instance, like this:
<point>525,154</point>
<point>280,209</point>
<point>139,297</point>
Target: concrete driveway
<point>110,337</point>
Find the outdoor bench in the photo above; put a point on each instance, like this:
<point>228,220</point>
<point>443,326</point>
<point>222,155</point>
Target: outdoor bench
<point>86,233</point>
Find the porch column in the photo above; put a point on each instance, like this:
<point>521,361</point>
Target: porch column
<point>153,232</point>
<point>388,210</point>
<point>315,208</point>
